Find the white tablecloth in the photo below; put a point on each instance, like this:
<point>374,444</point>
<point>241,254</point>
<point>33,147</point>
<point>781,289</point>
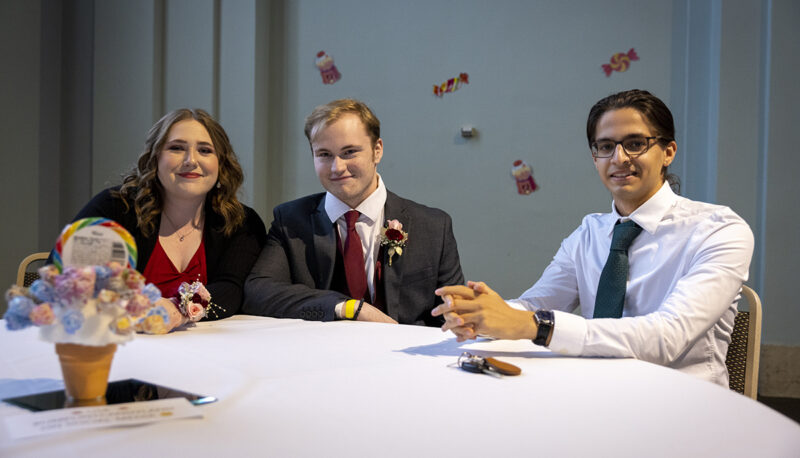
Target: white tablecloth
<point>295,388</point>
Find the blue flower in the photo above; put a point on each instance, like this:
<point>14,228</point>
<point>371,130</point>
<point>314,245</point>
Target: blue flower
<point>18,314</point>
<point>72,321</point>
<point>20,305</point>
<point>161,311</point>
<point>152,292</point>
<point>43,291</point>
<point>102,274</point>
<point>16,322</point>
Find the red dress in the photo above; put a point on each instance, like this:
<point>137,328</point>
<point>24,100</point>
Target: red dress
<point>162,272</point>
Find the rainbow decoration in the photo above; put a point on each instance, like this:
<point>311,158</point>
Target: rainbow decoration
<point>70,230</point>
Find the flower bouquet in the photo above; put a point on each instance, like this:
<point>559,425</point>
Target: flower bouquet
<point>86,311</point>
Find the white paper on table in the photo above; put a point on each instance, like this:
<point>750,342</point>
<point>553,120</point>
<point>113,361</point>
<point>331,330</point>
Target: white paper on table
<point>77,418</point>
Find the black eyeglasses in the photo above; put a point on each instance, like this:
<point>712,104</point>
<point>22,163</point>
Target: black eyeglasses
<point>633,146</point>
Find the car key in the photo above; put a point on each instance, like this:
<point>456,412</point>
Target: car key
<point>478,364</point>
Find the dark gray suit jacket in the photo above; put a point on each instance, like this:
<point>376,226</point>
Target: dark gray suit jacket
<point>292,276</point>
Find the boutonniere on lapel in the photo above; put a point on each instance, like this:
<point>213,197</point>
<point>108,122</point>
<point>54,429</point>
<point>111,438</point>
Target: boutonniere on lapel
<point>394,237</point>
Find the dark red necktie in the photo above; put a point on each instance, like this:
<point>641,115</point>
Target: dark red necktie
<point>354,258</point>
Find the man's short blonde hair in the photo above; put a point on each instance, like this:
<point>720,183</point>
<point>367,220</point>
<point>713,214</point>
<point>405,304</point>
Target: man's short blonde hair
<point>332,111</point>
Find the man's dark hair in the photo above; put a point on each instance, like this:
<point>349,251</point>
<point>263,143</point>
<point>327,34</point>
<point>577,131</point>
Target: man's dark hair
<point>654,111</point>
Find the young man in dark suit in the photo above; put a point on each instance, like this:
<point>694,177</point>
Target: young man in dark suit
<point>356,251</point>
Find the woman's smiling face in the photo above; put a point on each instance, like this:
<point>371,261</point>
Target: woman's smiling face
<point>188,166</point>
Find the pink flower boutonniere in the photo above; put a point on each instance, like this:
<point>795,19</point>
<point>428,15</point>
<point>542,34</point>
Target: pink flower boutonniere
<point>394,237</point>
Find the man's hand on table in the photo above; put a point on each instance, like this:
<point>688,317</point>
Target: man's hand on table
<point>476,309</point>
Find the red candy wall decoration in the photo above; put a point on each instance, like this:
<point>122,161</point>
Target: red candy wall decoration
<point>620,62</point>
<point>330,74</point>
<point>451,85</point>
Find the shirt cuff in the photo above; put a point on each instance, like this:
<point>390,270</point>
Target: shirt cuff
<point>339,310</point>
<point>569,333</point>
<point>518,305</point>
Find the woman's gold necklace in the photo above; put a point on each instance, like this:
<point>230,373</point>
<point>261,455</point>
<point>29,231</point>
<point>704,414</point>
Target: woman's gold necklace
<point>175,226</point>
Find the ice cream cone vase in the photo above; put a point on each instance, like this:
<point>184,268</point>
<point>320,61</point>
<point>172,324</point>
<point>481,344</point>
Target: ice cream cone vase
<point>85,369</point>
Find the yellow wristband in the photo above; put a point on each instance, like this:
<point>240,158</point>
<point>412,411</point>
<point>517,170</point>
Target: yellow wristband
<point>349,309</point>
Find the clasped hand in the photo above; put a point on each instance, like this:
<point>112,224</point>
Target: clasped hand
<point>476,309</point>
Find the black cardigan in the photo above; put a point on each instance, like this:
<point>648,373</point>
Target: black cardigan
<point>228,259</point>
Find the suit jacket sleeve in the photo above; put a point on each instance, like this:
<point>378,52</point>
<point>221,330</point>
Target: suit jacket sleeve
<point>428,262</point>
<point>449,268</point>
<point>233,257</point>
<point>281,284</point>
<point>450,264</point>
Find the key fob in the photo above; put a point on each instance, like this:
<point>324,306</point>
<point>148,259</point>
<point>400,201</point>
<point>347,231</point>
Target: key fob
<point>502,367</point>
<point>472,365</point>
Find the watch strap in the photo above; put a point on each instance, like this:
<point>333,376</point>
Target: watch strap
<point>545,320</point>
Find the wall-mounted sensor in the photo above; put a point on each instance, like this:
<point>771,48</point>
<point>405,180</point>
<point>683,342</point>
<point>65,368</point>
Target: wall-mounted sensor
<point>467,131</point>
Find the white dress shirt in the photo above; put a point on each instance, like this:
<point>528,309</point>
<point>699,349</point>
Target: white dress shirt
<point>368,226</point>
<point>686,270</point>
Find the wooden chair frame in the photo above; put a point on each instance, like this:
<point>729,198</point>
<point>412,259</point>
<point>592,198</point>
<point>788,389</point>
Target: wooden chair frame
<point>753,342</point>
<point>744,350</point>
<point>23,266</point>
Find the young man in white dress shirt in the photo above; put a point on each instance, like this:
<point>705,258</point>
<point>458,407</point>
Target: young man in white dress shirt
<point>686,264</point>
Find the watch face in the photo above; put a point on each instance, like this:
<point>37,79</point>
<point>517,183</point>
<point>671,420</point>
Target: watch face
<point>543,317</point>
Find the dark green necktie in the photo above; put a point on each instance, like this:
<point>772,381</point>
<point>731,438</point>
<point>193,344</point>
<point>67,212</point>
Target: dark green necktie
<point>613,280</point>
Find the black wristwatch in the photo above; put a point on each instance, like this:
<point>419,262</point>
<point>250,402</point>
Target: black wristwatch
<point>545,320</point>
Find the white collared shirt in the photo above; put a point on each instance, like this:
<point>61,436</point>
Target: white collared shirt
<point>685,272</point>
<point>368,226</point>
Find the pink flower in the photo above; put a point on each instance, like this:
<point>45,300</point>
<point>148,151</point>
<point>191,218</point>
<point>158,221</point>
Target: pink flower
<point>394,224</point>
<point>133,279</point>
<point>137,305</point>
<point>84,282</point>
<point>195,311</point>
<point>75,284</point>
<point>65,287</point>
<point>42,315</point>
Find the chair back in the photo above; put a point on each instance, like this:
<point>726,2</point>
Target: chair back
<point>26,274</point>
<point>745,348</point>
